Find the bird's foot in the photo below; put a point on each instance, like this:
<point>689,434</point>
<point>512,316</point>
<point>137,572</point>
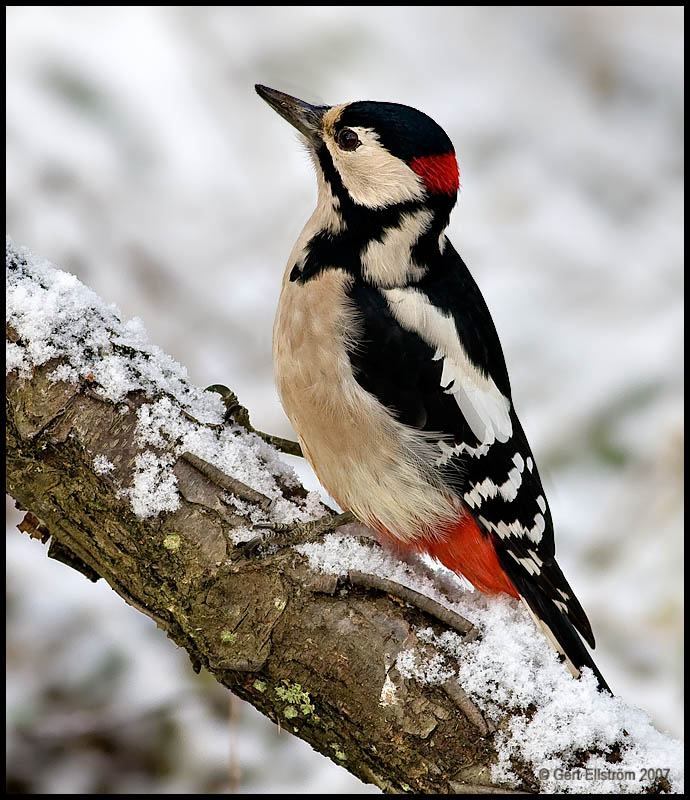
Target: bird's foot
<point>290,534</point>
<point>236,412</point>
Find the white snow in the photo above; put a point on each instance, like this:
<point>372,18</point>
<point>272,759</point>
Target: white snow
<point>154,488</point>
<point>510,667</point>
<point>240,454</point>
<point>102,465</point>
<point>432,670</point>
<point>56,317</point>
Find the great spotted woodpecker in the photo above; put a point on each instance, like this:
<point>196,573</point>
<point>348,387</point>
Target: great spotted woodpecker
<point>390,369</point>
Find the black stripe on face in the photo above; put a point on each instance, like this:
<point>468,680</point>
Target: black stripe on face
<point>440,205</point>
<point>342,250</point>
<point>354,214</point>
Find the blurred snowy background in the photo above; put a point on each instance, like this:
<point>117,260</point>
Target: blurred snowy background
<point>139,158</point>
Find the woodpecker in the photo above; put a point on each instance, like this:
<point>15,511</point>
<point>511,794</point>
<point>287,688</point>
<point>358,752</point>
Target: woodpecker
<point>390,369</point>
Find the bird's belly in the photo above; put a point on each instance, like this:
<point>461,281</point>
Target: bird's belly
<point>369,463</point>
<point>317,388</point>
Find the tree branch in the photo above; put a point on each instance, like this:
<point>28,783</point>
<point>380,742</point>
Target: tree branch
<point>262,628</point>
<point>315,653</point>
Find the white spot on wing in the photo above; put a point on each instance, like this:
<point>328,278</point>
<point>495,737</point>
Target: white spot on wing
<point>515,528</point>
<point>526,563</point>
<point>529,566</point>
<point>487,488</point>
<point>447,378</point>
<point>447,452</point>
<point>540,526</point>
<point>510,488</point>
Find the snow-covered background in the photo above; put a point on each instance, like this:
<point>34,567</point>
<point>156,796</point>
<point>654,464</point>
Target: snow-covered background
<point>139,158</point>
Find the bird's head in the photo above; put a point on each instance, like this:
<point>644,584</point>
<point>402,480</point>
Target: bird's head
<point>373,154</point>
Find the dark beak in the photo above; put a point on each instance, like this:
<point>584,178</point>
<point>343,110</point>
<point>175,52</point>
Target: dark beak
<point>303,116</point>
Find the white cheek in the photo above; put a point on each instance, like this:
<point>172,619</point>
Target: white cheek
<point>372,176</point>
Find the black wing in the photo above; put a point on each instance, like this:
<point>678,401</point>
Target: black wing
<point>400,364</point>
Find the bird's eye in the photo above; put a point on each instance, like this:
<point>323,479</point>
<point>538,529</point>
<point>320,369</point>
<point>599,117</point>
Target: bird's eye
<point>347,139</point>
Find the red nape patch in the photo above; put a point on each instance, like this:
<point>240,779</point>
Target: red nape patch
<point>463,548</point>
<point>439,173</point>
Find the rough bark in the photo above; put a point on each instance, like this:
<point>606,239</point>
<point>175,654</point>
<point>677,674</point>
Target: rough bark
<point>310,652</point>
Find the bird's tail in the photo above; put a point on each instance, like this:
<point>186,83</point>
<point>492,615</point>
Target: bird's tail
<point>552,603</point>
<point>560,619</point>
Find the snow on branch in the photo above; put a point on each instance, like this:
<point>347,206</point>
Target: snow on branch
<point>100,425</point>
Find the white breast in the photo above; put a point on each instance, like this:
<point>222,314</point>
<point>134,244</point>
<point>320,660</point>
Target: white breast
<point>370,463</point>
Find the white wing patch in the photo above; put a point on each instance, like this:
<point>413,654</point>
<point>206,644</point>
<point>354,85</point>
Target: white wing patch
<point>484,407</point>
<point>447,452</point>
<point>517,529</point>
<point>487,488</point>
<point>481,490</point>
<point>532,564</point>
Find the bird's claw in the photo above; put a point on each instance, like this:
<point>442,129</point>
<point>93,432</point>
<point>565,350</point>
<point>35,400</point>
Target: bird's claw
<point>289,534</point>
